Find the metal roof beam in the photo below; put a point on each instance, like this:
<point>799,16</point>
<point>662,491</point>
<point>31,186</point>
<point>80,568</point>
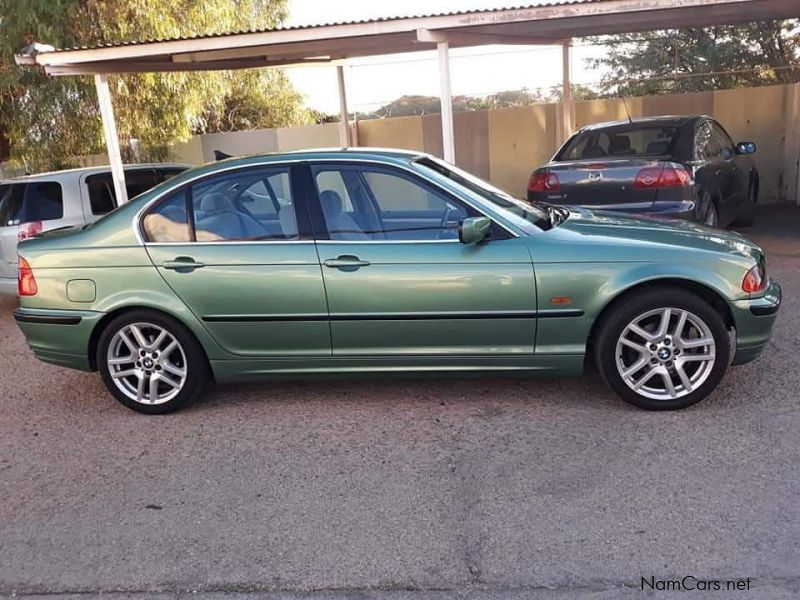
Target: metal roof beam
<point>471,38</point>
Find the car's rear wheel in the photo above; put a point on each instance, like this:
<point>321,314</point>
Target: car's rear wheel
<point>663,349</point>
<point>151,363</point>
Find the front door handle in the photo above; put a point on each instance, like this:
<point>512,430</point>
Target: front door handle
<point>182,264</point>
<point>346,262</point>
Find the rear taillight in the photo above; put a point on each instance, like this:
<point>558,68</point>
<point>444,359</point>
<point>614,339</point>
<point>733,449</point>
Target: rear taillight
<point>542,181</point>
<point>755,280</point>
<point>26,283</point>
<point>28,230</point>
<point>668,176</point>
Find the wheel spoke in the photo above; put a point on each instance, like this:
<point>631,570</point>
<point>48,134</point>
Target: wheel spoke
<point>640,348</point>
<point>153,388</point>
<point>123,360</point>
<point>697,357</point>
<point>685,381</point>
<point>140,389</point>
<point>696,343</point>
<point>645,378</point>
<point>663,327</point>
<point>123,374</point>
<point>169,381</point>
<point>668,385</point>
<point>678,335</point>
<point>159,340</point>
<point>170,347</point>
<point>139,336</point>
<point>170,368</point>
<point>642,333</point>
<point>634,367</point>
<point>127,340</point>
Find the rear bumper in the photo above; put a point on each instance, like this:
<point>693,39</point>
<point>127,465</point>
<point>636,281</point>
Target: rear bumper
<point>684,209</point>
<point>59,337</point>
<point>8,286</point>
<point>754,319</point>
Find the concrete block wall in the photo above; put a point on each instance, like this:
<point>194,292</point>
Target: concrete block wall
<point>504,145</point>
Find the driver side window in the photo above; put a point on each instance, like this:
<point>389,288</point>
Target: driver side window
<point>362,203</point>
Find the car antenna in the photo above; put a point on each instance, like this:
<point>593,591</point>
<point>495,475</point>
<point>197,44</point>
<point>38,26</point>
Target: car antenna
<point>627,112</point>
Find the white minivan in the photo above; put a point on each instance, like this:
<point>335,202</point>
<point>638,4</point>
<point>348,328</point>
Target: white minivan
<point>36,203</point>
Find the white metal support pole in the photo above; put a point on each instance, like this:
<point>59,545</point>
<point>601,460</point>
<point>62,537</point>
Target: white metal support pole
<point>344,124</point>
<point>112,140</point>
<point>446,96</point>
<point>567,106</point>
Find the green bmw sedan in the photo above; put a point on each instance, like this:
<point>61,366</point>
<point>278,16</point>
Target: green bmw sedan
<point>363,262</point>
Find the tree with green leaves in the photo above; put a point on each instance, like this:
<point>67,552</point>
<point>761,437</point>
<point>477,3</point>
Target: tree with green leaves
<point>699,59</point>
<point>49,122</point>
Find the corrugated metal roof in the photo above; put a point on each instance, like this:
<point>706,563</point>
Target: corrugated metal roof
<point>528,6</point>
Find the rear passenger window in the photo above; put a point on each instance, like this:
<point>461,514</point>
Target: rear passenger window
<point>168,221</point>
<point>248,205</point>
<point>43,202</point>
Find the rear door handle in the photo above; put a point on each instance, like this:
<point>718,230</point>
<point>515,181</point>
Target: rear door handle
<point>346,262</point>
<point>182,264</point>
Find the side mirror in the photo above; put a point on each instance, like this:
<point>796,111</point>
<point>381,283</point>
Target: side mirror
<point>746,148</point>
<point>473,230</point>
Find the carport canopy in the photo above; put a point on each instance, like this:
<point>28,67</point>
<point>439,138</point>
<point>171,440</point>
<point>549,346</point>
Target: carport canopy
<point>548,22</point>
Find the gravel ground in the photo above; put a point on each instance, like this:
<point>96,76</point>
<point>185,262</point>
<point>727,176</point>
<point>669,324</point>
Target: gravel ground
<point>404,489</point>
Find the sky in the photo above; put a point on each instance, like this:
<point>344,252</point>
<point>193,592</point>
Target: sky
<point>374,81</point>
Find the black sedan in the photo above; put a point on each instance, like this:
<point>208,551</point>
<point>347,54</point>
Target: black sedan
<point>685,167</point>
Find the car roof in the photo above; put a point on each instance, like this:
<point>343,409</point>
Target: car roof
<point>91,171</point>
<point>668,120</point>
<point>315,153</point>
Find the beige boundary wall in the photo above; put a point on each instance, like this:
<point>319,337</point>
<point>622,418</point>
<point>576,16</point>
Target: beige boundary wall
<point>505,145</point>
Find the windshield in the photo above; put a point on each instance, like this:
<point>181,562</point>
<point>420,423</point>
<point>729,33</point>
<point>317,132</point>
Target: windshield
<point>538,215</point>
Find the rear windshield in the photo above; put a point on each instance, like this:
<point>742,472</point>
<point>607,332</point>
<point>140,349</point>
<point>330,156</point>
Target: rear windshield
<point>627,140</point>
<point>35,201</point>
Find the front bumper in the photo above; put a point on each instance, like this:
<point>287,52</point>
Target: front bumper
<point>59,337</point>
<point>754,319</point>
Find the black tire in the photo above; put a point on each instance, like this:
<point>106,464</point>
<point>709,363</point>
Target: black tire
<point>748,216</point>
<point>191,359</point>
<point>633,305</point>
<point>711,214</point>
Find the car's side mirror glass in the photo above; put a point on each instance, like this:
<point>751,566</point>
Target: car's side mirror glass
<point>746,148</point>
<point>473,230</point>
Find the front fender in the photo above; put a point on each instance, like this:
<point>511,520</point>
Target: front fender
<point>693,273</point>
<point>591,287</point>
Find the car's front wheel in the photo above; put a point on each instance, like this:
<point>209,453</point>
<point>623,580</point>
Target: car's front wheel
<point>151,363</point>
<point>663,349</point>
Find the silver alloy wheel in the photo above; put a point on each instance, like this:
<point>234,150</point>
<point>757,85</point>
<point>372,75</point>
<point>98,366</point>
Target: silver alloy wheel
<point>665,354</point>
<point>146,363</point>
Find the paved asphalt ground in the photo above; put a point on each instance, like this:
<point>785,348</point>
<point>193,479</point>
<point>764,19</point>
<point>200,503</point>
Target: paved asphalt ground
<point>404,489</point>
